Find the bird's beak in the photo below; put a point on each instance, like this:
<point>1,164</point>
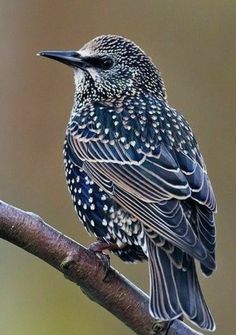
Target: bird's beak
<point>71,58</point>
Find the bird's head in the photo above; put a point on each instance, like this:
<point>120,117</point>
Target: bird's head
<point>109,66</point>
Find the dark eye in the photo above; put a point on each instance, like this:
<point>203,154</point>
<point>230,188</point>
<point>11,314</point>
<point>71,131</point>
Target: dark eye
<point>107,63</point>
<point>104,63</point>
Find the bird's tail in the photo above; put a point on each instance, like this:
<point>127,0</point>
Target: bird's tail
<point>175,292</point>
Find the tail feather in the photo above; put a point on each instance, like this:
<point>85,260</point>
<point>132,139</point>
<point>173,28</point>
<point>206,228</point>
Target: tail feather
<point>164,305</point>
<point>175,292</point>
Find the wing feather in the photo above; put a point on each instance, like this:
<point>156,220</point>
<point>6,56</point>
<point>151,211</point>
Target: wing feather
<point>152,181</point>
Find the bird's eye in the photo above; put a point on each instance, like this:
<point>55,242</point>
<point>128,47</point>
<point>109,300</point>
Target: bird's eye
<point>104,63</point>
<point>107,63</point>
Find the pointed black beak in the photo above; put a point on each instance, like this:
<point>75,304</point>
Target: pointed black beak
<point>71,58</point>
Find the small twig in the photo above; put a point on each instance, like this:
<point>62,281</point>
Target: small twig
<point>117,294</point>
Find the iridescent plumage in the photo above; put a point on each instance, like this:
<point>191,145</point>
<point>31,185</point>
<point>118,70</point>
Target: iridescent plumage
<point>136,175</point>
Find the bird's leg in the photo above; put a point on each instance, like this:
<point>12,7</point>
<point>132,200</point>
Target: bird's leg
<point>98,247</point>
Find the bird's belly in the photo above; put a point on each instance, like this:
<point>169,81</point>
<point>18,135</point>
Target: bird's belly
<point>91,203</point>
<point>100,214</point>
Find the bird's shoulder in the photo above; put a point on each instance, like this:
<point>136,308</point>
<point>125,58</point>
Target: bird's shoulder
<point>140,121</point>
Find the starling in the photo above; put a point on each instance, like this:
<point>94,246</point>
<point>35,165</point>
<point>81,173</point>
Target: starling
<point>136,175</point>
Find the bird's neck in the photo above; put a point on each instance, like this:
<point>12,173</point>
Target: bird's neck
<point>84,89</point>
<point>88,91</point>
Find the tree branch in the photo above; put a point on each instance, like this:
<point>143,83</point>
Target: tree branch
<point>117,294</point>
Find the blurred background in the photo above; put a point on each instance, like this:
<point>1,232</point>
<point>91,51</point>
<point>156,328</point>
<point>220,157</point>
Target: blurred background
<point>193,43</point>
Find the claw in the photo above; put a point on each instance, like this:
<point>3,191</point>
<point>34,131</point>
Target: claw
<point>106,264</point>
<point>98,247</point>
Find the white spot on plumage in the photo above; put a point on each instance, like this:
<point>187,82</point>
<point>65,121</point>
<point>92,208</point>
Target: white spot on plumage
<point>133,143</point>
<point>104,222</point>
<point>105,208</point>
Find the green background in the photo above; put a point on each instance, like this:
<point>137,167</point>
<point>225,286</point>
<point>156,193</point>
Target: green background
<point>193,43</point>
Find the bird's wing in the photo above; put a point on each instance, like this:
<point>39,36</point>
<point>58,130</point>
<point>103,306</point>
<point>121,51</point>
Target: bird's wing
<point>160,174</point>
<point>151,179</point>
<point>150,191</point>
<point>149,184</point>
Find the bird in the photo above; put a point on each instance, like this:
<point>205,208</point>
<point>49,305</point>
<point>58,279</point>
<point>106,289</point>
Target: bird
<point>136,175</point>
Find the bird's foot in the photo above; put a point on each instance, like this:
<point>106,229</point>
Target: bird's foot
<point>98,248</point>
